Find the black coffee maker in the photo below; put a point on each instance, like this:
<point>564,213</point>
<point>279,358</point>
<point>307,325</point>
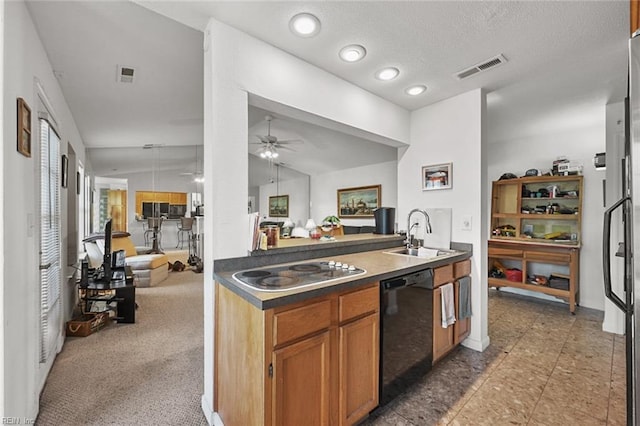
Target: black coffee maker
<point>385,220</point>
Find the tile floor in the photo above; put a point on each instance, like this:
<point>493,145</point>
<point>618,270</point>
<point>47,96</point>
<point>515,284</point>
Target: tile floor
<point>544,367</point>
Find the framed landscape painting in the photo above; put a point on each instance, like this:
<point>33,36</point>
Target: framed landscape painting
<point>24,128</point>
<point>279,206</point>
<point>359,202</point>
<point>437,176</point>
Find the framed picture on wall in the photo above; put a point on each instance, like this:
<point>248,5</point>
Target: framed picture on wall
<point>279,206</point>
<point>437,176</point>
<point>24,128</point>
<point>359,202</point>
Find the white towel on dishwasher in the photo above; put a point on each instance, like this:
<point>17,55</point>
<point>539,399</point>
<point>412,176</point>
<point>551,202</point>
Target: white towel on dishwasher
<point>448,308</point>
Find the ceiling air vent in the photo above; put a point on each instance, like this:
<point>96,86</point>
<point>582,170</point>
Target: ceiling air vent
<point>483,66</point>
<point>125,74</point>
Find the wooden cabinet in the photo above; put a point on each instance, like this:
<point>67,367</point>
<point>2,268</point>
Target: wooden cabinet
<point>301,382</point>
<point>313,363</point>
<point>540,208</point>
<point>536,222</point>
<point>445,339</point>
<point>523,255</point>
<point>117,208</point>
<point>358,370</point>
<point>172,198</point>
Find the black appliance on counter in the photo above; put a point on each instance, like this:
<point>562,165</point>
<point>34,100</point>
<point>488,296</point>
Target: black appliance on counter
<point>385,220</point>
<point>406,332</point>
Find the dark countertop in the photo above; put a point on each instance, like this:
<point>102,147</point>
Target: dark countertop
<point>378,264</point>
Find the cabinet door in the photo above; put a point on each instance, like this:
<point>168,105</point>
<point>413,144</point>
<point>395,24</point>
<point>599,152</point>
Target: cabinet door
<point>461,327</point>
<point>359,368</point>
<point>301,382</point>
<point>442,337</point>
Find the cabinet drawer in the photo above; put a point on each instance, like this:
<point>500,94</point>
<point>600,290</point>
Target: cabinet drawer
<point>357,303</point>
<point>547,257</point>
<point>295,323</point>
<point>462,269</point>
<point>504,252</point>
<point>443,275</point>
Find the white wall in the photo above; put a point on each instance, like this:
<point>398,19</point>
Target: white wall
<point>298,191</point>
<point>324,189</point>
<point>452,131</point>
<point>230,74</point>
<point>20,283</point>
<point>579,144</point>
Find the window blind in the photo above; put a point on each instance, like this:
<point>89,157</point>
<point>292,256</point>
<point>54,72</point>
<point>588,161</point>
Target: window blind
<point>50,272</point>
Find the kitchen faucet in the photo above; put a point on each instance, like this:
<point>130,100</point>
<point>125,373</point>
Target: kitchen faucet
<point>408,241</point>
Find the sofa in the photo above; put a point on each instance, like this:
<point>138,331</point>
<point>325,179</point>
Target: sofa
<point>148,269</point>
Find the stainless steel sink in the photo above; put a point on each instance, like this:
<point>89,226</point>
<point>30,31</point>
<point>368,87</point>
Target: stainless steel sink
<point>435,252</point>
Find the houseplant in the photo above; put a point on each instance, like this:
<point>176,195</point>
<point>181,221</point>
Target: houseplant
<point>330,223</point>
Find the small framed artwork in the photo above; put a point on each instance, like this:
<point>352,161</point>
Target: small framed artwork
<point>24,128</point>
<point>65,171</point>
<point>279,206</point>
<point>359,202</point>
<point>437,176</point>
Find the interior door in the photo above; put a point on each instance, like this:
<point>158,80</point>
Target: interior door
<point>49,248</point>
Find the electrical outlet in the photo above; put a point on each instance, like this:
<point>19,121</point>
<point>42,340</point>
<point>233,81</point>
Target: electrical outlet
<point>466,223</point>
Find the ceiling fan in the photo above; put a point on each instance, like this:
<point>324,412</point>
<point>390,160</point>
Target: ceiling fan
<point>198,175</point>
<point>271,144</point>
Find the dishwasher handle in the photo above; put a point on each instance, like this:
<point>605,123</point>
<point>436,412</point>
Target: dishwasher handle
<point>422,278</point>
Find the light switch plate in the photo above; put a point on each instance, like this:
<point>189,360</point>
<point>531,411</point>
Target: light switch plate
<point>466,223</point>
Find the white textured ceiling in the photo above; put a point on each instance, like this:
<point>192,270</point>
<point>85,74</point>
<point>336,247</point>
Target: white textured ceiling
<point>565,59</point>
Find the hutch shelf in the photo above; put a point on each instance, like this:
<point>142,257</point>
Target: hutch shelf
<point>537,220</point>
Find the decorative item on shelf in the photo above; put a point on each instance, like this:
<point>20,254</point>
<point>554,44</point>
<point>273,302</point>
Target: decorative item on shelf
<point>437,176</point>
<point>504,231</point>
<point>330,223</point>
<point>311,226</point>
<point>286,228</point>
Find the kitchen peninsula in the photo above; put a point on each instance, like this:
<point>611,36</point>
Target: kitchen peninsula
<point>310,355</point>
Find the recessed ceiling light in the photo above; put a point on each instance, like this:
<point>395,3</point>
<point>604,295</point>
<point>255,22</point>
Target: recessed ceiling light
<point>415,90</point>
<point>353,53</point>
<point>387,73</point>
<point>304,25</point>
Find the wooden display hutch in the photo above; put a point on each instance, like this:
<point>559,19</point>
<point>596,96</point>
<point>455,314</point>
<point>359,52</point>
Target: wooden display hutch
<point>537,220</point>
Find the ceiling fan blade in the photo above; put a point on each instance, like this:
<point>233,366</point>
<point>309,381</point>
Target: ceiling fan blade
<point>286,141</point>
<point>286,148</point>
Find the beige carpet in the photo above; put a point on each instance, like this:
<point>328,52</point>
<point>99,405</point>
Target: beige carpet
<point>150,372</point>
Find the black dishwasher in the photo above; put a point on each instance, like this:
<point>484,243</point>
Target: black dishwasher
<point>406,332</point>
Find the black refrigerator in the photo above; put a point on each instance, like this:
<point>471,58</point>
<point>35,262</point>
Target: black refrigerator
<point>627,209</point>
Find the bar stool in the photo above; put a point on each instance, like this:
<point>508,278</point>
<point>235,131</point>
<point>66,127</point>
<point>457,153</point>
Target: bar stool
<point>185,226</point>
<point>152,224</point>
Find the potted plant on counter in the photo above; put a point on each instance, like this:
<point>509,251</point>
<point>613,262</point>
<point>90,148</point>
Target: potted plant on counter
<point>330,223</point>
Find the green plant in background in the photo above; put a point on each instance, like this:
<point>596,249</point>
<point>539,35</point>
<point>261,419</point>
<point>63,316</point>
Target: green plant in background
<point>331,221</point>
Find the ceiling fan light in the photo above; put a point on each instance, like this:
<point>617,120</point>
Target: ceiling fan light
<point>415,90</point>
<point>304,25</point>
<point>387,74</point>
<point>263,155</point>
<point>353,53</point>
<point>274,154</point>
